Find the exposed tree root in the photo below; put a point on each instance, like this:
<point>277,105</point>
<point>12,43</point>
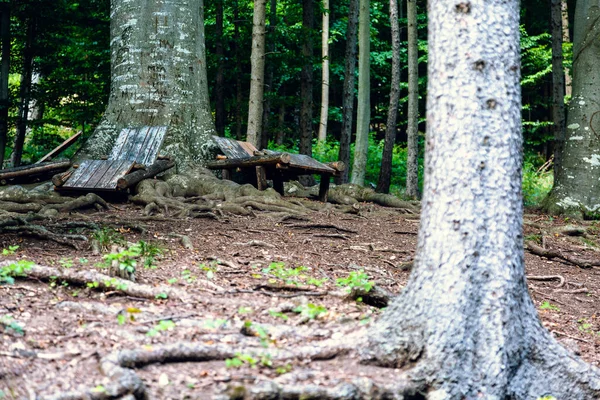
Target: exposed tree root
<point>560,278</point>
<point>105,282</point>
<point>540,251</point>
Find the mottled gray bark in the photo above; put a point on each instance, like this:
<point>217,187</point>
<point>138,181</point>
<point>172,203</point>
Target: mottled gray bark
<point>324,74</point>
<point>363,113</point>
<point>257,74</point>
<point>349,86</point>
<point>4,70</point>
<point>558,84</point>
<point>306,79</point>
<point>566,38</point>
<point>412,163</point>
<point>465,322</point>
<point>158,68</point>
<point>385,173</point>
<point>220,78</point>
<point>576,188</point>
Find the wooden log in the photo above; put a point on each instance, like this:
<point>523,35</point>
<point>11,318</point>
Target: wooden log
<point>339,166</point>
<point>60,148</point>
<point>261,178</point>
<point>255,161</point>
<point>34,169</point>
<point>139,175</point>
<point>324,187</point>
<point>59,179</point>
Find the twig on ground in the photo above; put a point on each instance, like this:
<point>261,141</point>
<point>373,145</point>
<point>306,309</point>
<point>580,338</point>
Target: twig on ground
<point>560,278</point>
<point>548,253</point>
<point>569,336</point>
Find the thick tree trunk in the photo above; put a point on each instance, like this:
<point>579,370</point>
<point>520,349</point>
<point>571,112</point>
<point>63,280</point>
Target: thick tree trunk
<point>385,173</point>
<point>238,74</point>
<point>158,78</point>
<point>281,121</point>
<point>266,131</point>
<point>349,83</point>
<point>220,78</point>
<point>465,322</point>
<point>566,38</point>
<point>558,84</point>
<point>257,74</point>
<point>576,188</point>
<point>325,74</point>
<point>412,163</point>
<point>24,93</point>
<point>306,84</point>
<point>4,70</point>
<point>363,114</point>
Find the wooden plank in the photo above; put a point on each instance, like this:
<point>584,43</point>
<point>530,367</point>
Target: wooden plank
<point>139,144</point>
<point>309,164</point>
<point>254,161</point>
<point>101,167</point>
<point>98,174</point>
<point>27,170</point>
<point>132,148</point>
<point>232,148</point>
<point>61,147</point>
<point>81,174</point>
<point>157,137</point>
<point>117,170</point>
<point>121,142</point>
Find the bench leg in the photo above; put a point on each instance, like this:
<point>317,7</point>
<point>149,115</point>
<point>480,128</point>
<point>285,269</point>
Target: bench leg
<point>261,178</point>
<point>226,174</point>
<point>324,187</point>
<point>278,183</point>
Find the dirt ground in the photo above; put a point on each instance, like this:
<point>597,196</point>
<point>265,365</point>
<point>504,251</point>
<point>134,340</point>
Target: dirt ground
<point>55,333</point>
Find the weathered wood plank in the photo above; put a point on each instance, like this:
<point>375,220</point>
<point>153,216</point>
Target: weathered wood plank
<point>61,147</point>
<point>101,167</point>
<point>117,170</point>
<point>139,144</point>
<point>232,148</point>
<point>157,137</point>
<point>309,164</point>
<point>81,174</point>
<point>254,161</point>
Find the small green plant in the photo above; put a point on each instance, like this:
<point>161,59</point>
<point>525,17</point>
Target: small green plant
<point>278,314</point>
<point>161,296</point>
<point>240,360</point>
<point>106,237</point>
<point>127,315</point>
<point>546,305</point>
<point>356,279</point>
<point>124,260</point>
<point>162,326</point>
<point>16,269</point>
<point>585,326</point>
<point>310,311</point>
<point>187,276</point>
<point>291,276</point>
<point>93,285</point>
<point>172,281</point>
<point>244,310</point>
<point>209,269</point>
<point>11,326</point>
<point>10,251</point>
<point>66,262</point>
<point>149,252</point>
<point>284,369</point>
<point>115,283</point>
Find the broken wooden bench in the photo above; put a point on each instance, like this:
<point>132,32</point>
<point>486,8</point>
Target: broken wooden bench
<point>133,158</point>
<point>279,167</point>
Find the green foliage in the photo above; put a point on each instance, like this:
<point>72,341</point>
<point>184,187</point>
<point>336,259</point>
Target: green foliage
<point>10,251</point>
<point>356,279</point>
<point>310,311</point>
<point>125,260</point>
<point>149,252</point>
<point>537,181</point>
<point>106,237</point>
<point>162,326</point>
<point>127,315</point>
<point>11,326</point>
<point>8,273</point>
<point>547,306</point>
<point>292,276</point>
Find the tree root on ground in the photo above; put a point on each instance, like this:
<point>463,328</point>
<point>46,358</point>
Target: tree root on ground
<point>548,253</point>
<point>103,282</point>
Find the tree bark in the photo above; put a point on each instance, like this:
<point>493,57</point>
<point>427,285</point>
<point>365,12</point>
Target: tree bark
<point>266,131</point>
<point>385,173</point>
<point>24,93</point>
<point>306,84</point>
<point>158,68</point>
<point>576,188</point>
<point>465,322</point>
<point>349,83</point>
<point>558,84</point>
<point>412,163</point>
<point>220,116</point>
<point>257,74</point>
<point>238,75</point>
<point>363,114</point>
<point>4,71</point>
<point>566,38</point>
<point>325,73</point>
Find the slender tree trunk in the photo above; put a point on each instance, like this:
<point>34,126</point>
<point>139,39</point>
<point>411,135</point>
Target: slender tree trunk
<point>159,78</point>
<point>269,75</point>
<point>385,173</point>
<point>4,71</point>
<point>566,37</point>
<point>281,120</point>
<point>325,73</point>
<point>363,114</point>
<point>220,78</point>
<point>239,96</point>
<point>257,74</point>
<point>558,84</point>
<point>306,84</point>
<point>576,189</point>
<point>24,94</point>
<point>412,163</point>
<point>349,86</point>
<point>465,323</point>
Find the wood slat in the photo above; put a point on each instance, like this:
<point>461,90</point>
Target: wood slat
<point>308,163</point>
<point>232,148</point>
<point>117,170</point>
<point>139,144</point>
<point>156,138</point>
<point>98,174</point>
<point>81,174</point>
<point>101,167</point>
<point>120,143</point>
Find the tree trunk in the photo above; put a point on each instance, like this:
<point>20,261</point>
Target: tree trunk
<point>220,78</point>
<point>4,71</point>
<point>257,74</point>
<point>348,95</point>
<point>306,84</point>
<point>385,174</point>
<point>238,73</point>
<point>158,67</point>
<point>24,93</point>
<point>269,76</point>
<point>363,114</point>
<point>281,121</point>
<point>465,322</point>
<point>576,190</point>
<point>566,38</point>
<point>412,162</point>
<point>558,84</point>
<point>325,73</point>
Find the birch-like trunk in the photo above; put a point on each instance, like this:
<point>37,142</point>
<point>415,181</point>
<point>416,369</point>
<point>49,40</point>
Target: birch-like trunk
<point>349,86</point>
<point>566,38</point>
<point>4,70</point>
<point>220,118</point>
<point>465,323</point>
<point>158,68</point>
<point>363,114</point>
<point>257,74</point>
<point>385,173</point>
<point>576,188</point>
<point>412,163</point>
<point>558,83</point>
<point>325,73</point>
<point>306,80</point>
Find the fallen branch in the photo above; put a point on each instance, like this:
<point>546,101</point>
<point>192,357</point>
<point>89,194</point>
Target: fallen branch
<point>560,278</point>
<point>548,253</point>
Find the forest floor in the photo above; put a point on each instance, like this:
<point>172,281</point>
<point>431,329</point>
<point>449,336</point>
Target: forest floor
<point>244,272</point>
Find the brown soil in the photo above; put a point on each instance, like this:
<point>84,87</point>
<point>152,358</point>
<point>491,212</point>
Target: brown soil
<point>71,328</point>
